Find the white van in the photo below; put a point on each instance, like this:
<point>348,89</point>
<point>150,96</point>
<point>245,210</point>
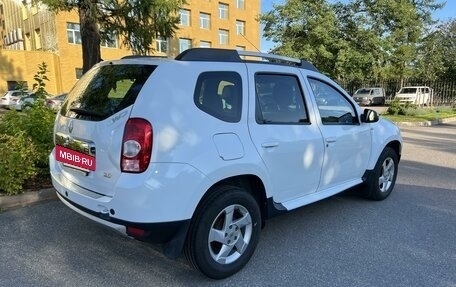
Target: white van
<point>417,95</point>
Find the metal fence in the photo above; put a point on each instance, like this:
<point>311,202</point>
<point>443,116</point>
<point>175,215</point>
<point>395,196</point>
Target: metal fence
<point>444,92</point>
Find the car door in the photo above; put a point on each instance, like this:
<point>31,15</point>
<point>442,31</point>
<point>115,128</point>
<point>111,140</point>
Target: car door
<point>283,132</point>
<point>347,141</point>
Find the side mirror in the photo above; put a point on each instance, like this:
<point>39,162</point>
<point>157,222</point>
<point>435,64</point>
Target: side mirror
<point>369,116</point>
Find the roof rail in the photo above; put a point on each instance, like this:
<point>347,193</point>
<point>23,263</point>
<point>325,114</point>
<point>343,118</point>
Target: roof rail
<point>229,55</point>
<point>143,56</point>
<point>209,54</point>
<point>298,62</point>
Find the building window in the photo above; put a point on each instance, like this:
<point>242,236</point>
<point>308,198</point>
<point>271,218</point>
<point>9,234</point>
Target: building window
<point>78,73</point>
<point>240,48</point>
<point>110,42</point>
<point>185,17</point>
<point>223,11</point>
<point>37,36</point>
<point>205,21</point>
<point>184,44</point>
<point>205,44</point>
<point>161,45</point>
<point>28,42</point>
<point>73,33</point>
<point>240,27</point>
<point>223,37</point>
<point>240,4</point>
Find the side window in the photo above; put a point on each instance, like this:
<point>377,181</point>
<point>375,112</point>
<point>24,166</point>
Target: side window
<point>334,108</point>
<point>279,100</point>
<point>220,95</point>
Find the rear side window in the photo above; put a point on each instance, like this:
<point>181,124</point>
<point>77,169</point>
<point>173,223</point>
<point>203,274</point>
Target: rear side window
<point>219,94</point>
<point>105,90</point>
<point>279,100</point>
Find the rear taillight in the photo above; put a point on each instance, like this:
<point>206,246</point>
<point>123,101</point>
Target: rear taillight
<point>136,145</point>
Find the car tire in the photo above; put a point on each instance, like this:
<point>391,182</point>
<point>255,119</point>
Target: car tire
<point>224,232</point>
<point>381,181</point>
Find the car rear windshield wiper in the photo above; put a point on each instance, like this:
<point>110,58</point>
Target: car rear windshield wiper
<point>84,112</point>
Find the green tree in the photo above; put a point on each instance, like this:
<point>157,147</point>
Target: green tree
<point>448,32</point>
<point>138,21</point>
<point>304,29</point>
<point>352,40</point>
<point>40,81</point>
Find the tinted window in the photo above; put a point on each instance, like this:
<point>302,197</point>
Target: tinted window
<point>220,95</point>
<point>279,100</point>
<point>105,90</point>
<point>334,108</point>
<point>408,91</point>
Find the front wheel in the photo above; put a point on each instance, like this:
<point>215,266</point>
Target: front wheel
<point>224,232</point>
<point>383,178</point>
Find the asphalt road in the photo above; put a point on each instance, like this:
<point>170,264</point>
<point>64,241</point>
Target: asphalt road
<point>407,240</point>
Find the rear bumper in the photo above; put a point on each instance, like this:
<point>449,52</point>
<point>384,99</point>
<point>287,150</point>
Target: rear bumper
<point>160,202</point>
<point>155,232</point>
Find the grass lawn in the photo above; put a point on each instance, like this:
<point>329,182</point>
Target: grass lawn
<point>425,114</point>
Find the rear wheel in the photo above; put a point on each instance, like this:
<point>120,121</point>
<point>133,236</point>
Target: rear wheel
<point>224,232</point>
<point>383,178</point>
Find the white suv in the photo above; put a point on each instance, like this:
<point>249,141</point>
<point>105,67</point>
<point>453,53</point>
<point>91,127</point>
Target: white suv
<point>198,151</point>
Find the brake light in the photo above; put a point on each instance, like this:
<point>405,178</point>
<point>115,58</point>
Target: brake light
<point>136,145</point>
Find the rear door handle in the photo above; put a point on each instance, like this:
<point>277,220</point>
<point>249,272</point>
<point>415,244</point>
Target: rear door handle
<point>270,144</point>
<point>330,140</point>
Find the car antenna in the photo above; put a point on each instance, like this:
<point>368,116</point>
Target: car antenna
<point>250,43</point>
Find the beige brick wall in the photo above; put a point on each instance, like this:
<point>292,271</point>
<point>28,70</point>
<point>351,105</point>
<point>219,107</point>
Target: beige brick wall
<point>23,65</point>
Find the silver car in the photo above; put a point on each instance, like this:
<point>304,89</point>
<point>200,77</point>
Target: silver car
<point>370,96</point>
<point>54,103</point>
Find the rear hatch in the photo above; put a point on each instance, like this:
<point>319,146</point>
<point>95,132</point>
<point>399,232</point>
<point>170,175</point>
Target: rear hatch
<point>89,128</point>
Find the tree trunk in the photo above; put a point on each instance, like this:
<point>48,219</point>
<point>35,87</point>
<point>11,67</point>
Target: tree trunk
<point>90,34</point>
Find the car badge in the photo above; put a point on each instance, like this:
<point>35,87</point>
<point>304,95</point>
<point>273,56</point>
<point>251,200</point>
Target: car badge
<point>70,126</point>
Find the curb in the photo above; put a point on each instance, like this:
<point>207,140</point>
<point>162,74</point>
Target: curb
<point>26,199</point>
<point>426,123</point>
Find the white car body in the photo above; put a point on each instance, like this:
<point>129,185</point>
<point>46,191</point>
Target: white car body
<point>11,97</point>
<point>418,95</point>
<point>193,151</point>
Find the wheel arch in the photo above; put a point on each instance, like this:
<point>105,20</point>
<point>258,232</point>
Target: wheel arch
<point>250,183</point>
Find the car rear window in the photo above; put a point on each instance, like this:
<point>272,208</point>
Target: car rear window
<point>408,91</point>
<point>105,90</point>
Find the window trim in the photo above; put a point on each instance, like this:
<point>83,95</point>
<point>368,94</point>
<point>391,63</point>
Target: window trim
<point>240,24</point>
<point>223,9</point>
<point>73,31</point>
<point>185,13</point>
<point>205,20</point>
<point>258,112</point>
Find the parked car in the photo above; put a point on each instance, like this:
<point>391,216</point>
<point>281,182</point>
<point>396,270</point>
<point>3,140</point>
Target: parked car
<point>56,102</point>
<point>197,152</point>
<point>11,97</point>
<point>370,96</point>
<point>23,102</point>
<point>418,95</point>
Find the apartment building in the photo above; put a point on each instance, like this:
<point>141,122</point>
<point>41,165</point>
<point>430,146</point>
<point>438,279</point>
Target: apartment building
<point>31,34</point>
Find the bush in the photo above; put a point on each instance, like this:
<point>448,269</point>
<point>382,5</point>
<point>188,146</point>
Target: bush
<point>396,108</point>
<point>37,125</point>
<point>17,162</point>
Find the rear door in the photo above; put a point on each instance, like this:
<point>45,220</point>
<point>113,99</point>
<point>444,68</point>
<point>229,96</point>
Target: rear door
<point>283,132</point>
<point>90,125</point>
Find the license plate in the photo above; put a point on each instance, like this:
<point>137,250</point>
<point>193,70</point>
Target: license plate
<point>74,158</point>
